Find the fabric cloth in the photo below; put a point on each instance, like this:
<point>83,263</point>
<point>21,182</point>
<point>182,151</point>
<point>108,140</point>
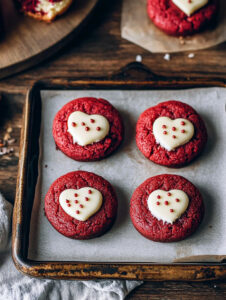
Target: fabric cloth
<point>16,286</point>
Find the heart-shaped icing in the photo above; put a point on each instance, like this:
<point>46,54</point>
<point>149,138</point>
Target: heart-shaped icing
<point>189,6</point>
<point>81,204</point>
<point>171,134</point>
<point>168,206</point>
<point>87,129</point>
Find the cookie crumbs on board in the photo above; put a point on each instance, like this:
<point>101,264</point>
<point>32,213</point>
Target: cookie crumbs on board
<point>6,142</point>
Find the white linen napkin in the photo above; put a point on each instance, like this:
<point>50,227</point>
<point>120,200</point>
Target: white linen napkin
<point>16,286</point>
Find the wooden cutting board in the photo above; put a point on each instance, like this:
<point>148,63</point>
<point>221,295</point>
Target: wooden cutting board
<point>27,42</point>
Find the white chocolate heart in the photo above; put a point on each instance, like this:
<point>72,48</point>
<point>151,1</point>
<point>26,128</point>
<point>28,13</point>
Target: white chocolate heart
<point>168,206</point>
<point>171,134</point>
<point>87,129</point>
<point>81,204</point>
<point>189,6</point>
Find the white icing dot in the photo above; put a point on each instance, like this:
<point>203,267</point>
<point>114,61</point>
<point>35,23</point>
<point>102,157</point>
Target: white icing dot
<point>138,58</point>
<point>167,56</point>
<point>191,55</point>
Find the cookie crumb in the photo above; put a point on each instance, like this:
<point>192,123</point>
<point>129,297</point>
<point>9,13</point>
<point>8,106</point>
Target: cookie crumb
<point>11,141</point>
<point>6,136</point>
<point>5,143</point>
<point>167,56</point>
<point>139,58</point>
<point>191,55</point>
<point>182,41</point>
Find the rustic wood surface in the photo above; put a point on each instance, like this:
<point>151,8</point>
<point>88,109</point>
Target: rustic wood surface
<point>27,41</point>
<point>99,51</point>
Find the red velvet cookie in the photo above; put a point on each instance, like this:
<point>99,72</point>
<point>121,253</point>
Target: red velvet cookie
<point>169,18</point>
<point>166,208</point>
<point>45,10</point>
<point>87,129</point>
<point>81,205</point>
<point>171,134</point>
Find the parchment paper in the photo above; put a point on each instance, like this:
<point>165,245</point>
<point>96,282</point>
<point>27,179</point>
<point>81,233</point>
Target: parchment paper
<point>136,27</point>
<point>125,170</point>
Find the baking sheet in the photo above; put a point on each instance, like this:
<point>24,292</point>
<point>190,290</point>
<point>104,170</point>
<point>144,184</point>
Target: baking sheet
<point>125,170</point>
<point>136,27</point>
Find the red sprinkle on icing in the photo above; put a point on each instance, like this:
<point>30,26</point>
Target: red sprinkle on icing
<point>177,200</point>
<point>81,205</point>
<point>74,124</point>
<point>87,128</point>
<point>83,123</point>
<point>171,210</point>
<point>165,132</point>
<point>76,201</point>
<point>89,191</point>
<point>67,201</point>
<point>174,128</point>
<point>77,212</point>
<point>87,199</point>
<point>98,128</point>
<point>182,123</point>
<point>76,195</point>
<point>163,126</point>
<point>158,197</point>
<point>182,131</point>
<point>157,203</point>
<point>69,205</point>
<point>169,194</point>
<point>92,120</point>
<point>173,136</point>
<point>166,202</point>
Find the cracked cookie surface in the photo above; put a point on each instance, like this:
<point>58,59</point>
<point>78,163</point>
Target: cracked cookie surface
<point>153,150</point>
<point>70,227</point>
<point>173,21</point>
<point>157,230</point>
<point>96,150</point>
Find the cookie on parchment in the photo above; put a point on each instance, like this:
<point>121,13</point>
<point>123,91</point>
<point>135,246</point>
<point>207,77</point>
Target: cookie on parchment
<point>81,205</point>
<point>87,129</point>
<point>171,133</point>
<point>166,208</point>
<point>182,17</point>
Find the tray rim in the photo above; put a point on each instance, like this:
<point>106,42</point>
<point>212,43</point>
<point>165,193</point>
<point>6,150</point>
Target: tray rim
<point>84,270</point>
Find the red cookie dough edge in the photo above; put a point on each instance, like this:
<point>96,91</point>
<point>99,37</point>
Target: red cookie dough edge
<point>68,226</point>
<point>158,231</point>
<point>177,23</point>
<point>182,155</point>
<point>44,17</point>
<point>95,151</point>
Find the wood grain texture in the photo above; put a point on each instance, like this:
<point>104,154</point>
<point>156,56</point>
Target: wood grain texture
<point>27,41</point>
<point>99,51</point>
<point>215,290</point>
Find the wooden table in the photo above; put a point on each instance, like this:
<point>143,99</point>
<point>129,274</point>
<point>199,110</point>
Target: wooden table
<point>100,51</point>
